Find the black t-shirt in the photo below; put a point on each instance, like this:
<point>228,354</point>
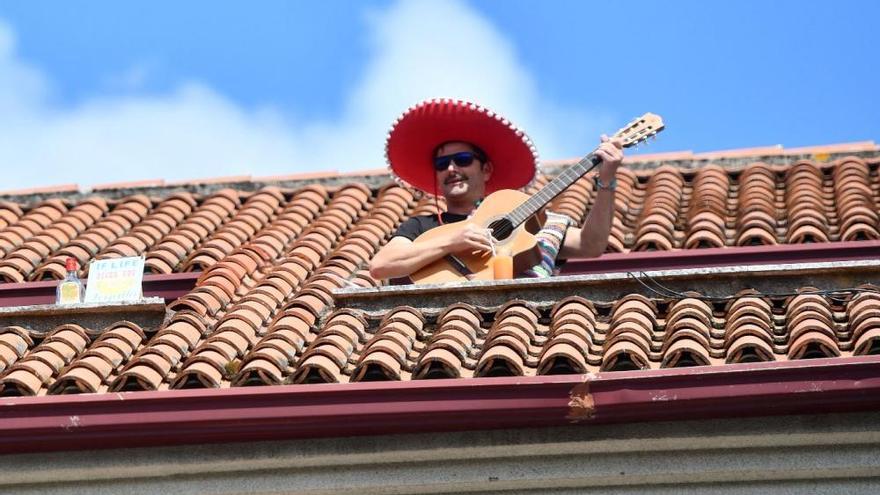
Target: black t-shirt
<point>416,226</point>
<point>413,227</point>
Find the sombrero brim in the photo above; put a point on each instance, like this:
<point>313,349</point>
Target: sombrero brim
<point>417,133</point>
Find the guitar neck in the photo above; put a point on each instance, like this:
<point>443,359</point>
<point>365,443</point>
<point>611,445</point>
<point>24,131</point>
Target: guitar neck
<point>568,177</point>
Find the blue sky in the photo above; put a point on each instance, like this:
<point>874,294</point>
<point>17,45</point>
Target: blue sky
<point>94,91</point>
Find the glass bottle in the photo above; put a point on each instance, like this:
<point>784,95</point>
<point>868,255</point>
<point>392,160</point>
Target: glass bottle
<point>70,290</point>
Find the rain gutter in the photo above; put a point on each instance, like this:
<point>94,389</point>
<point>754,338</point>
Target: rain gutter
<point>745,255</point>
<point>181,417</point>
<point>168,287</point>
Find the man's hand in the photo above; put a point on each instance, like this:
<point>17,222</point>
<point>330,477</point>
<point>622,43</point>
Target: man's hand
<point>611,152</point>
<point>469,238</point>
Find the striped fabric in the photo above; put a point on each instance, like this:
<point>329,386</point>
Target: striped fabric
<point>550,239</point>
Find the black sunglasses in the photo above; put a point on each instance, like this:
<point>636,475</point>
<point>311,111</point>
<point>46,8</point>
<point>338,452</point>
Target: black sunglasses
<point>461,159</point>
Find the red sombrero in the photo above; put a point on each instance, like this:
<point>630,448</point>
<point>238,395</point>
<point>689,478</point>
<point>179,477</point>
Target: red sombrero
<point>417,133</point>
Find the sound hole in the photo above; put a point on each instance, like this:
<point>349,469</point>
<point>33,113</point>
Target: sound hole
<point>501,228</point>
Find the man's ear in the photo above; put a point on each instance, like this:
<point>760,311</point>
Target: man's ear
<point>488,168</point>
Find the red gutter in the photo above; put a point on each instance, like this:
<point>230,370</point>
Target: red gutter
<point>169,286</point>
<point>746,255</point>
<point>179,417</point>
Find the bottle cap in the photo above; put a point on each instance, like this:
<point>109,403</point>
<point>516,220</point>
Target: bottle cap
<point>70,264</point>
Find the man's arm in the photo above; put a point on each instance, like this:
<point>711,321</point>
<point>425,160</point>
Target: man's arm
<point>401,256</point>
<point>592,239</point>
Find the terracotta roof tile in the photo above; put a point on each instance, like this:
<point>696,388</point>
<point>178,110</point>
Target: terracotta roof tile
<point>743,152</point>
<point>672,155</point>
<point>210,180</point>
<point>139,378</point>
<point>30,224</point>
<point>834,148</point>
<point>255,309</point>
<point>90,372</point>
<point>297,177</point>
<point>30,374</point>
<point>89,243</point>
<point>247,221</point>
<point>128,185</point>
<point>172,249</point>
<point>14,343</point>
<point>43,190</point>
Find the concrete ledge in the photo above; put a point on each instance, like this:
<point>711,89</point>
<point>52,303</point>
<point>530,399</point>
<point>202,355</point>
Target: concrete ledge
<point>721,281</point>
<point>148,313</point>
<point>789,454</point>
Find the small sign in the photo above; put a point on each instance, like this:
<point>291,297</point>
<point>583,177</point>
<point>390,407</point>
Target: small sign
<point>115,280</point>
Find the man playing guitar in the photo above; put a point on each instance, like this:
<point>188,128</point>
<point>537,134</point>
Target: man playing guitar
<point>465,152</point>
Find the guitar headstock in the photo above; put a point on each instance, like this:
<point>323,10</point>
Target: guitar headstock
<point>640,129</point>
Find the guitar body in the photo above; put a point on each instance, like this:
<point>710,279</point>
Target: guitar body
<point>521,243</point>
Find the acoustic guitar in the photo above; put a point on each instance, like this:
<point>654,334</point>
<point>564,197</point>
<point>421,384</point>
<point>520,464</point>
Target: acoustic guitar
<point>512,215</point>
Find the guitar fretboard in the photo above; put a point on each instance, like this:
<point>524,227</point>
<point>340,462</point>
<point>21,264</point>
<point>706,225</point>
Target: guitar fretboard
<point>568,177</point>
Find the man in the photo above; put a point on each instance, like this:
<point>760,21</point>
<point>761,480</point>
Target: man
<point>474,153</point>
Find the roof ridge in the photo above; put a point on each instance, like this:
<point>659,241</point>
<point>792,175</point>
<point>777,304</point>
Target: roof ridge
<point>375,178</point>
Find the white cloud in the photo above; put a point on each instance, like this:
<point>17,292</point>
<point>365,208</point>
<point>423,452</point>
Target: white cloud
<point>195,132</point>
<point>133,78</point>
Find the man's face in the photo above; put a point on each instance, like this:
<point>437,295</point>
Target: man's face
<point>462,182</point>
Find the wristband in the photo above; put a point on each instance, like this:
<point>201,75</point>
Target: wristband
<point>602,186</point>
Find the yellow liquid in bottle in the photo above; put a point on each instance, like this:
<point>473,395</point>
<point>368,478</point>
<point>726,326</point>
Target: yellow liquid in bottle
<point>69,293</point>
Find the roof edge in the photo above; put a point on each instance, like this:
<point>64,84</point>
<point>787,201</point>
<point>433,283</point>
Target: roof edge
<point>376,178</point>
<point>723,281</point>
<point>724,256</point>
<point>181,417</point>
<point>168,286</point>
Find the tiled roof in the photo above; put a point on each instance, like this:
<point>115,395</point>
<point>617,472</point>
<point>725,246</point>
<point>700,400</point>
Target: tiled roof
<point>662,209</point>
<point>262,310</point>
<point>573,336</point>
<point>247,345</point>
